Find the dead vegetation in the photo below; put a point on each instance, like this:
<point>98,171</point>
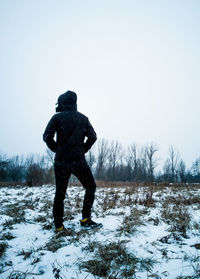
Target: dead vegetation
<point>3,247</point>
<point>178,218</point>
<point>26,254</point>
<point>131,204</point>
<point>114,260</point>
<point>14,210</point>
<point>66,237</point>
<point>131,222</point>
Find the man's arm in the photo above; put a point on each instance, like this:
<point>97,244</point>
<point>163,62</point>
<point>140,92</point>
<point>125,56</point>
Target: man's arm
<point>91,137</point>
<point>49,133</point>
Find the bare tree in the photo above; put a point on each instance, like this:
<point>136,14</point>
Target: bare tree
<point>136,162</point>
<point>16,168</point>
<point>182,171</point>
<point>166,170</point>
<point>134,155</point>
<point>50,156</point>
<point>4,163</point>
<point>29,160</point>
<point>102,155</point>
<point>151,161</point>
<point>195,171</point>
<point>196,167</point>
<point>35,175</point>
<point>37,169</point>
<point>90,157</point>
<point>115,155</point>
<point>174,157</point>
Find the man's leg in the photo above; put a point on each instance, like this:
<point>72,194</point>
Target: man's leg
<point>82,171</point>
<point>62,175</point>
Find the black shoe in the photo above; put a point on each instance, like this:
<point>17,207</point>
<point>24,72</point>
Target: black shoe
<point>88,223</point>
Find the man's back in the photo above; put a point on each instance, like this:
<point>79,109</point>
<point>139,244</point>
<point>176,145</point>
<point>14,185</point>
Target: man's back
<point>71,128</point>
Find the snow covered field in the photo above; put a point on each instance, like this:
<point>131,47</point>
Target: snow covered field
<point>148,232</point>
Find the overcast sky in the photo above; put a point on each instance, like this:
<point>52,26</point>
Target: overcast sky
<point>135,66</point>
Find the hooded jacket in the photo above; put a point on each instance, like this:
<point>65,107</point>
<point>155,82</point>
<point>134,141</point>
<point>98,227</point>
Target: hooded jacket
<point>71,128</point>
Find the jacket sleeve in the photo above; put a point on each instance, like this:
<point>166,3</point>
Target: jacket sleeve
<point>49,133</point>
<point>91,137</point>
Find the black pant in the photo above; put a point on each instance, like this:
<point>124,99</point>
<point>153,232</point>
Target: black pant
<point>62,174</point>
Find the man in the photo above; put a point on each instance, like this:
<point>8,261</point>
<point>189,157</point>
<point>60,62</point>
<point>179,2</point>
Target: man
<point>71,128</point>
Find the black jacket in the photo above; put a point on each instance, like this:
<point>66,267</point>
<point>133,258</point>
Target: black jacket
<point>71,128</point>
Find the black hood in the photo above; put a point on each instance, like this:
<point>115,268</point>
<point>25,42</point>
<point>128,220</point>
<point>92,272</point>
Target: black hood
<point>67,101</point>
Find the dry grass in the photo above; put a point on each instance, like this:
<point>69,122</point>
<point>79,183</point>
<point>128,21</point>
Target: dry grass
<point>184,200</point>
<point>109,201</point>
<point>131,222</point>
<point>132,202</point>
<point>54,244</point>
<point>47,206</point>
<point>113,260</point>
<point>26,254</point>
<point>3,247</point>
<point>7,236</point>
<point>14,210</point>
<point>178,218</point>
<point>66,237</point>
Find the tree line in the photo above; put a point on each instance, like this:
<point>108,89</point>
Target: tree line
<point>109,161</point>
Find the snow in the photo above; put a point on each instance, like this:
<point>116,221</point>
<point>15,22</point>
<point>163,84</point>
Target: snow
<point>172,259</point>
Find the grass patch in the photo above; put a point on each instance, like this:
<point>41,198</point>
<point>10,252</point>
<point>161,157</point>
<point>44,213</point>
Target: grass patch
<point>54,244</point>
<point>184,199</point>
<point>131,222</point>
<point>46,206</point>
<point>178,218</point>
<point>26,253</point>
<point>113,260</point>
<point>17,214</point>
<point>7,236</point>
<point>40,219</point>
<point>59,240</point>
<point>3,247</point>
<point>171,238</point>
<point>14,210</point>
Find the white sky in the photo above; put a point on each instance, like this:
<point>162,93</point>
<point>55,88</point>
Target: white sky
<point>135,66</point>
